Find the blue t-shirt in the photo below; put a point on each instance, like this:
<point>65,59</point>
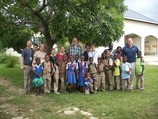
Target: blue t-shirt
<point>125,74</point>
<point>38,69</point>
<point>27,55</point>
<point>130,52</point>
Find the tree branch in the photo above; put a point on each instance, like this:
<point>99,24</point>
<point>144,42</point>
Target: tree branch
<point>43,6</point>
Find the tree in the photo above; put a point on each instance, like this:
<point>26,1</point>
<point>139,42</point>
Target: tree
<point>12,35</point>
<point>97,21</point>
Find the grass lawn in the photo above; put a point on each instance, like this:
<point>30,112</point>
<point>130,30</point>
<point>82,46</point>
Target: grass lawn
<point>116,104</point>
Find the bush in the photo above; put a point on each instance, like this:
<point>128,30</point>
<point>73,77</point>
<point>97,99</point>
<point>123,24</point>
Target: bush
<point>2,59</point>
<point>11,61</point>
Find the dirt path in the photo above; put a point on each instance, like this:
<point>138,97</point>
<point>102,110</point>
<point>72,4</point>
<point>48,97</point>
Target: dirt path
<point>29,111</point>
<point>7,110</point>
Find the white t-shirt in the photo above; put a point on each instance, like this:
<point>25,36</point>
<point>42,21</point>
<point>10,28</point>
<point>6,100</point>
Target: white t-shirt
<point>94,54</point>
<point>40,54</point>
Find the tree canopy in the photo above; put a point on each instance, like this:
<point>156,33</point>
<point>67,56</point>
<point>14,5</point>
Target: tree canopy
<point>96,21</point>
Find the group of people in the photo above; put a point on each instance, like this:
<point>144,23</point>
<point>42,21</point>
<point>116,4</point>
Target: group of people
<point>83,71</point>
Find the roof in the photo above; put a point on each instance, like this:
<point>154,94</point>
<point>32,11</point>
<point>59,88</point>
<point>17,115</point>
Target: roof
<point>132,15</point>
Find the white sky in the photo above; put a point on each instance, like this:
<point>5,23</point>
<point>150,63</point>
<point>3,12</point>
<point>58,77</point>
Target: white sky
<point>148,8</point>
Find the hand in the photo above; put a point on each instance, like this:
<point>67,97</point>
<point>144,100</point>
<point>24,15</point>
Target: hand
<point>77,77</point>
<point>22,67</point>
<point>47,80</point>
<point>141,74</point>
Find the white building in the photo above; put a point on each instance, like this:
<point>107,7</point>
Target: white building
<point>143,30</point>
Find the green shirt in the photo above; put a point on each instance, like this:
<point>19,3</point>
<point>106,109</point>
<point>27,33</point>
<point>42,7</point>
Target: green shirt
<point>139,64</point>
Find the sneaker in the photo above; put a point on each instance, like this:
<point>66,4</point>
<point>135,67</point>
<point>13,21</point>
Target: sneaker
<point>37,94</point>
<point>57,93</point>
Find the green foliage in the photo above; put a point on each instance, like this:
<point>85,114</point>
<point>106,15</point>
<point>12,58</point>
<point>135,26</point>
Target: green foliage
<point>2,59</point>
<point>96,21</point>
<point>11,61</point>
<point>12,35</point>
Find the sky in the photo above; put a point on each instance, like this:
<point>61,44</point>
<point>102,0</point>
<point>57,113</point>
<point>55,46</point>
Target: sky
<point>146,7</point>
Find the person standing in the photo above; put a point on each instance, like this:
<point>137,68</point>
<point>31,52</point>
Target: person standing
<point>60,54</point>
<point>41,53</point>
<point>75,48</point>
<point>139,71</point>
<point>88,47</point>
<point>108,62</point>
<point>125,76</point>
<point>94,54</point>
<point>130,51</point>
<point>26,65</point>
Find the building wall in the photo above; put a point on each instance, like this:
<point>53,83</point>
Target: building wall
<point>143,30</point>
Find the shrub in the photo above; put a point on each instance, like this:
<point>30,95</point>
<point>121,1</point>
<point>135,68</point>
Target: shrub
<point>2,59</point>
<point>11,61</point>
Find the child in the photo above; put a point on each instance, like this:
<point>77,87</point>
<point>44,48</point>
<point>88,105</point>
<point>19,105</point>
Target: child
<point>101,75</point>
<point>71,68</point>
<point>92,68</point>
<point>126,68</point>
<point>88,87</point>
<point>56,76</point>
<point>139,71</point>
<point>62,71</point>
<point>38,79</point>
<point>77,62</point>
<point>82,68</point>
<point>108,62</point>
<point>47,72</point>
<point>52,60</point>
<point>117,64</point>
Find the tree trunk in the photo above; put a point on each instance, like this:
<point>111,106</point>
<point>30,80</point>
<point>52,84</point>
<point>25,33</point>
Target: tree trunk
<point>49,45</point>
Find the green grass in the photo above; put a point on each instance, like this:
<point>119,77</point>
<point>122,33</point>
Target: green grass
<point>118,105</point>
<point>15,75</point>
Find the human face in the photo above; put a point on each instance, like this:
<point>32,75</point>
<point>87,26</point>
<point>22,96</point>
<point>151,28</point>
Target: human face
<point>99,61</point>
<point>103,55</point>
<point>82,58</point>
<point>38,61</point>
<point>74,41</point>
<point>62,49</point>
<point>47,58</point>
<point>53,52</point>
<point>91,60</point>
<point>35,48</point>
<point>93,48</point>
<point>118,49</point>
<point>115,56</point>
<point>88,47</point>
<point>124,59</point>
<point>88,75</point>
<point>42,47</point>
<point>76,57</point>
<point>107,54</point>
<point>110,46</point>
<point>129,42</point>
<point>139,54</point>
<point>64,57</point>
<point>29,44</point>
<point>71,59</point>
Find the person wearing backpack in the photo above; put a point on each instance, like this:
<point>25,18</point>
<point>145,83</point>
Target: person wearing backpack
<point>101,75</point>
<point>108,62</point>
